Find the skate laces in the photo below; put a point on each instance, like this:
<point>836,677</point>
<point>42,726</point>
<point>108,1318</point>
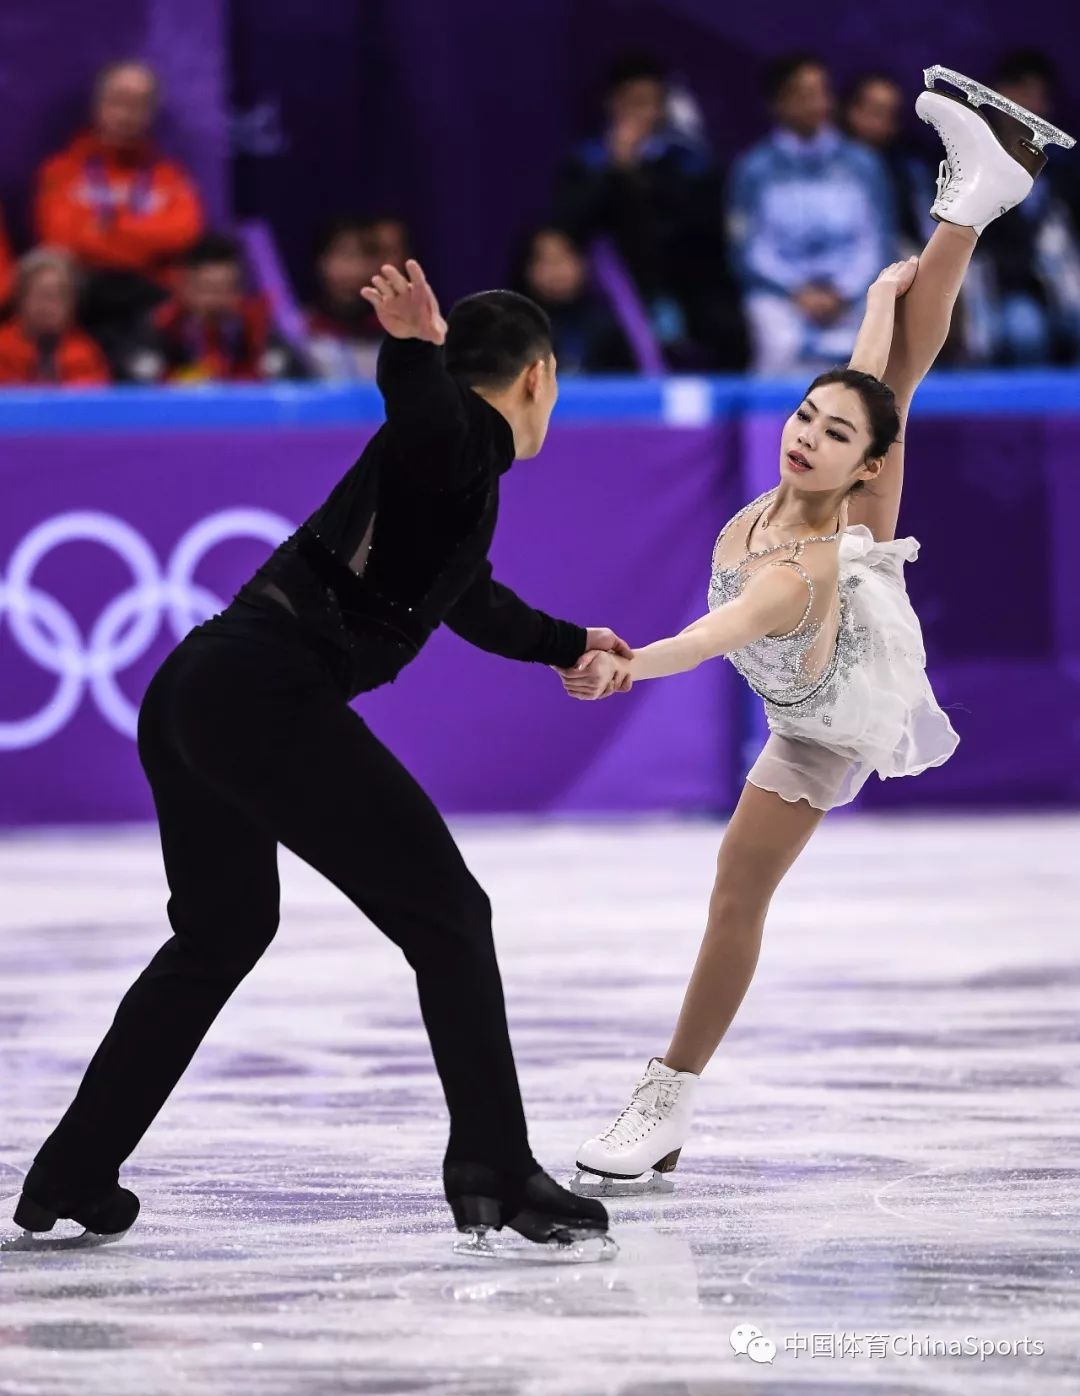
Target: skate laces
<point>944,174</point>
<point>949,175</point>
<point>653,1100</point>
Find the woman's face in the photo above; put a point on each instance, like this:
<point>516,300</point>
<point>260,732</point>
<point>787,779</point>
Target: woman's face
<point>825,440</point>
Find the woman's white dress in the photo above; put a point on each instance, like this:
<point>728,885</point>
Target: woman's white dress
<point>846,691</point>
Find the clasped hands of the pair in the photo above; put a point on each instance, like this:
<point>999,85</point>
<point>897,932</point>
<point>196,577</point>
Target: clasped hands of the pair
<point>602,670</point>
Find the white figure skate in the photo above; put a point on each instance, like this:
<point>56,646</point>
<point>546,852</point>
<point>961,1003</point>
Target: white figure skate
<point>635,1155</point>
<point>992,157</point>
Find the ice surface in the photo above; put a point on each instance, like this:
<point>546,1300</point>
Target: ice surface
<point>888,1141</point>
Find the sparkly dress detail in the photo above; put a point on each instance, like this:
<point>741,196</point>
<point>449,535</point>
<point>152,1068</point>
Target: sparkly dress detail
<point>845,691</point>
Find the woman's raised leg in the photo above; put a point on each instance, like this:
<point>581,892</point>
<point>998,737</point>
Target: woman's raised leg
<point>924,313</point>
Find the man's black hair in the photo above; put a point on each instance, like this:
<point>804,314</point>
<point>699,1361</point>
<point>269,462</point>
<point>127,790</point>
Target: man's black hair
<point>212,249</point>
<point>779,72</point>
<point>356,225</point>
<point>1023,63</point>
<point>634,67</point>
<point>493,335</point>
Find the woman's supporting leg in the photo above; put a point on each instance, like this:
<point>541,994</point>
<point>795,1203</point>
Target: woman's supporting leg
<point>765,836</point>
<point>923,315</point>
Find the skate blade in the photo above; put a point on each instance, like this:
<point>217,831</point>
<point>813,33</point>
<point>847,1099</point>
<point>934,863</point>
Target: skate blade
<point>1042,133</point>
<point>568,1248</point>
<point>45,1242</point>
<point>651,1184</point>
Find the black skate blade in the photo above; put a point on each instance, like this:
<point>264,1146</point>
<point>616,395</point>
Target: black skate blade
<point>564,1246</point>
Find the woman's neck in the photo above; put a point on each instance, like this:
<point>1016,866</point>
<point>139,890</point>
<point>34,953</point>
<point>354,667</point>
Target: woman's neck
<point>810,509</point>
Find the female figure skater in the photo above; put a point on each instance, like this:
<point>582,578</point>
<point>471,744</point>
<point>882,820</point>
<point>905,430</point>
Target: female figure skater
<point>807,600</point>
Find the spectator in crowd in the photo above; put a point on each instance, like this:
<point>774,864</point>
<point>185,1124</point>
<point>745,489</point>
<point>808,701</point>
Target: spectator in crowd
<point>873,116</point>
<point>1027,304</point>
<point>344,331</point>
<point>554,272</point>
<point>41,344</point>
<point>811,223</point>
<point>7,266</point>
<point>124,211</point>
<point>211,330</point>
<point>654,191</point>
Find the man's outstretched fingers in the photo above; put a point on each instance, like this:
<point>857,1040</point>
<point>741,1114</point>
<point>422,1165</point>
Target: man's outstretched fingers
<point>395,278</point>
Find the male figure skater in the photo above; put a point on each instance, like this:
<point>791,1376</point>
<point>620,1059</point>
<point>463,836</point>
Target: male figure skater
<point>248,742</point>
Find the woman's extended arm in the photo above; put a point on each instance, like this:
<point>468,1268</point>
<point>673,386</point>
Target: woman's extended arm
<point>874,342</point>
<point>773,600</point>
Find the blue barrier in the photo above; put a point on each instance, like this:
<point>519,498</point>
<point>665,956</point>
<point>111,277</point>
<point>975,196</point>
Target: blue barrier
<point>649,401</point>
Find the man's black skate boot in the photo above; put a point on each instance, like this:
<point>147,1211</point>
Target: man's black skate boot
<point>475,1194</point>
<point>484,1199</point>
<point>540,1210</point>
<point>107,1212</point>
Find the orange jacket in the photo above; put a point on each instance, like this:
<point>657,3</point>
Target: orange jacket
<point>111,208</point>
<point>7,265</point>
<point>78,362</point>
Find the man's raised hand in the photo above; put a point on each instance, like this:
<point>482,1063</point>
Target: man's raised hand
<point>406,305</point>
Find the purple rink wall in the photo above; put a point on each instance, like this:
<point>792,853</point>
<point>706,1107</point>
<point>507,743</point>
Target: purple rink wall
<point>131,515</point>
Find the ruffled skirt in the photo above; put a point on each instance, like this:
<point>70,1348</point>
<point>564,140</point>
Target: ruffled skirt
<point>877,712</point>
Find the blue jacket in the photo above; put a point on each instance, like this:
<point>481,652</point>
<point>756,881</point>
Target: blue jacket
<point>818,210</point>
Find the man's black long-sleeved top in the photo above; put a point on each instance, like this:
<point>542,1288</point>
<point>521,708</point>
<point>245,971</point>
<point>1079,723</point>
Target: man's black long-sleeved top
<point>400,546</point>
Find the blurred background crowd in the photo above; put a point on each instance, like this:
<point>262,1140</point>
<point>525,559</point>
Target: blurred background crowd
<point>657,253</point>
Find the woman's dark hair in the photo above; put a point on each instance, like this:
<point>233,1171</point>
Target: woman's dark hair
<point>878,399</point>
<point>493,335</point>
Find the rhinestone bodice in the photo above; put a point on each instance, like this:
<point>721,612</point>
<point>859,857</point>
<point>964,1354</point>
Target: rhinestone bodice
<point>788,669</point>
<point>846,691</point>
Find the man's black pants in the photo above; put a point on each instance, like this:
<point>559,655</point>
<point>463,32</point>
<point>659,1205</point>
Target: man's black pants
<point>248,742</point>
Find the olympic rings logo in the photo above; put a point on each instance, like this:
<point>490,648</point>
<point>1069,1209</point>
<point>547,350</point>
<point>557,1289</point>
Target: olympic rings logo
<point>48,633</point>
